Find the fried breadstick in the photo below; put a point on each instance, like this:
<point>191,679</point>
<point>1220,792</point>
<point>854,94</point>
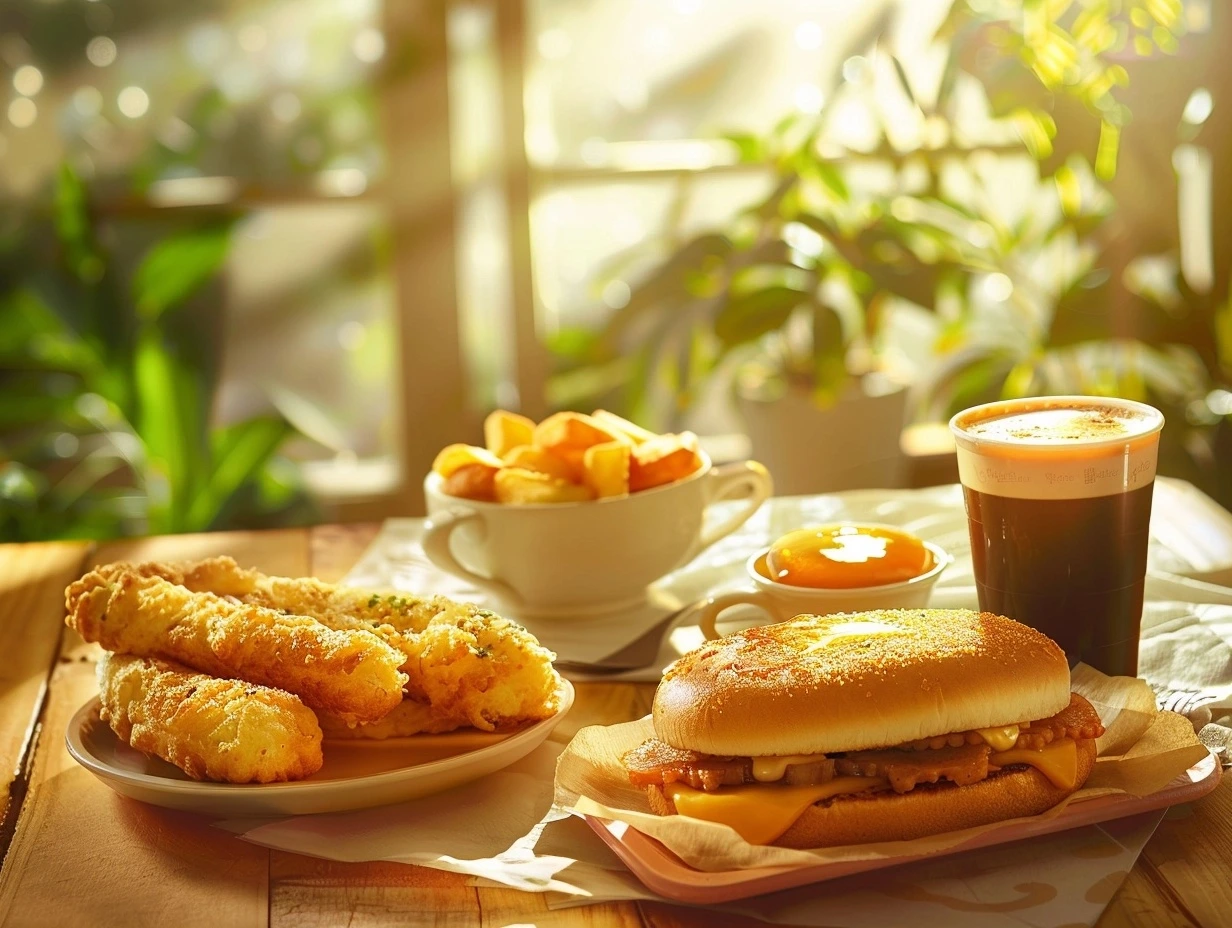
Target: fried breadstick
<point>218,575</point>
<point>211,729</point>
<point>352,674</point>
<point>466,665</point>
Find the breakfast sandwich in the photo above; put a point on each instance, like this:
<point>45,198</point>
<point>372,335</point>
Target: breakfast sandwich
<point>867,727</point>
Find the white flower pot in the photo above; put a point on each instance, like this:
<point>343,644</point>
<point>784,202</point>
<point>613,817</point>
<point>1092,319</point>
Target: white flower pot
<point>850,445</point>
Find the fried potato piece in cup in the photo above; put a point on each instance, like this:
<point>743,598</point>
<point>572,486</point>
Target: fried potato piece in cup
<point>634,432</point>
<point>663,460</point>
<point>569,434</point>
<point>353,674</point>
<point>520,487</point>
<point>472,481</point>
<point>467,471</point>
<point>504,431</point>
<point>211,728</point>
<point>607,468</point>
<point>544,461</point>
<point>452,457</point>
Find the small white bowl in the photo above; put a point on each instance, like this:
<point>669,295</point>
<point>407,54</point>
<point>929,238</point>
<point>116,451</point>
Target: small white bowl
<point>782,601</point>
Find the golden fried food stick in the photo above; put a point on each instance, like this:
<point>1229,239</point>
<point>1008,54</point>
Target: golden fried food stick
<point>219,575</point>
<point>353,674</point>
<point>210,728</point>
<point>466,665</point>
<point>408,718</point>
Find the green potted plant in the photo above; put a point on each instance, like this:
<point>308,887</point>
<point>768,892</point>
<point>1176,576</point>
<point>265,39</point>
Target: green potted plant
<point>109,370</point>
<point>789,302</point>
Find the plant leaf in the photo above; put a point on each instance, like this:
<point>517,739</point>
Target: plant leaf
<point>903,80</point>
<point>829,356</point>
<point>72,223</point>
<point>751,315</point>
<point>238,452</point>
<point>175,268</point>
<point>830,177</point>
<point>750,147</point>
<point>171,424</point>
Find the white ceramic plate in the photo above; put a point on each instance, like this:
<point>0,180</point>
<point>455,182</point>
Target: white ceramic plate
<point>355,775</point>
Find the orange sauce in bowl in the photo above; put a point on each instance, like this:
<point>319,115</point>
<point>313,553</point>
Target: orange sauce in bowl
<point>845,556</point>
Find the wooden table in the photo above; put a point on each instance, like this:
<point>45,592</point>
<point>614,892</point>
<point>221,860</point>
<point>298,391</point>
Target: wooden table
<point>75,853</point>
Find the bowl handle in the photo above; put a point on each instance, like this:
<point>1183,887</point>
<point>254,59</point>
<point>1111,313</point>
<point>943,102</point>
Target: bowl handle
<point>715,605</point>
<point>437,532</point>
<point>742,479</point>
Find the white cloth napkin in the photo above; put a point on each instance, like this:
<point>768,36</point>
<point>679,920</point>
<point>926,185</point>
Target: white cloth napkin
<point>1190,536</point>
<point>484,829</point>
<point>481,830</point>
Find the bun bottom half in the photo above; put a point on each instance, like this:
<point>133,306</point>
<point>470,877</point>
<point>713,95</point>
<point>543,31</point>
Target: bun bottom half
<point>925,810</point>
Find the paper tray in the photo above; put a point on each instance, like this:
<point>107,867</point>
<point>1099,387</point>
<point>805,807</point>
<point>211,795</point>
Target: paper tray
<point>666,874</point>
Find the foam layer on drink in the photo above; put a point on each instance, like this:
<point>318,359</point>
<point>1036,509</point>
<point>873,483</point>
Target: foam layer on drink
<point>1064,426</point>
<point>1057,447</point>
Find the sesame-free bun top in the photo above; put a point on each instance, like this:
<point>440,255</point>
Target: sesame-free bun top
<point>852,681</point>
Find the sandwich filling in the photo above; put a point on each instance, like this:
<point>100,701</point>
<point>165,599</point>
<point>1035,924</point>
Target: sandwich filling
<point>962,758</point>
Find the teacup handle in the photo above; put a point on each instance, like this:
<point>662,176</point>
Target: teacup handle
<point>437,532</point>
<point>731,481</point>
<point>715,606</point>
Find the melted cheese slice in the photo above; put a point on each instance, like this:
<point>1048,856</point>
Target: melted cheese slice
<point>1001,738</point>
<point>1058,761</point>
<point>770,769</point>
<point>759,814</point>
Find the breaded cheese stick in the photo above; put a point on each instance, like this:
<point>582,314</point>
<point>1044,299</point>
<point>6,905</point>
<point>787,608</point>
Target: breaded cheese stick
<point>210,728</point>
<point>353,674</point>
<point>219,575</point>
<point>466,665</point>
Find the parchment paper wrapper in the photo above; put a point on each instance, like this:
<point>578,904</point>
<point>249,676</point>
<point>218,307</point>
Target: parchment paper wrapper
<point>1142,750</point>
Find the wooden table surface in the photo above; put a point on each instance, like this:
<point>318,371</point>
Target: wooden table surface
<point>75,853</point>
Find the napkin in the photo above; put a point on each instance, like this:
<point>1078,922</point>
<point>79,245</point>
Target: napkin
<point>508,829</point>
<point>1065,878</point>
<point>1191,542</point>
<point>485,830</point>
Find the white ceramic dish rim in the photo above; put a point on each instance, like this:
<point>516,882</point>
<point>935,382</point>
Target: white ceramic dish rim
<point>941,557</point>
<point>79,752</point>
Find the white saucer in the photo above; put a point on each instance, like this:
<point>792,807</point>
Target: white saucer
<point>588,637</point>
<point>356,774</point>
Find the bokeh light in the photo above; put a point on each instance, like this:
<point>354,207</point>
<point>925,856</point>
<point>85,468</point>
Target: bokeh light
<point>101,51</point>
<point>22,112</point>
<point>368,45</point>
<point>87,101</point>
<point>27,80</point>
<point>133,102</point>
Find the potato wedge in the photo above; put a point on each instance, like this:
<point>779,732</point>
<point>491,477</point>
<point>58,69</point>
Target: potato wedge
<point>663,460</point>
<point>631,430</point>
<point>472,481</point>
<point>518,486</point>
<point>607,468</point>
<point>503,431</point>
<point>452,457</point>
<point>574,432</point>
<point>543,461</point>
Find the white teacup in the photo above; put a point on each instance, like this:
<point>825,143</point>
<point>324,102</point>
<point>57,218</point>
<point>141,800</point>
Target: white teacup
<point>782,601</point>
<point>570,559</point>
